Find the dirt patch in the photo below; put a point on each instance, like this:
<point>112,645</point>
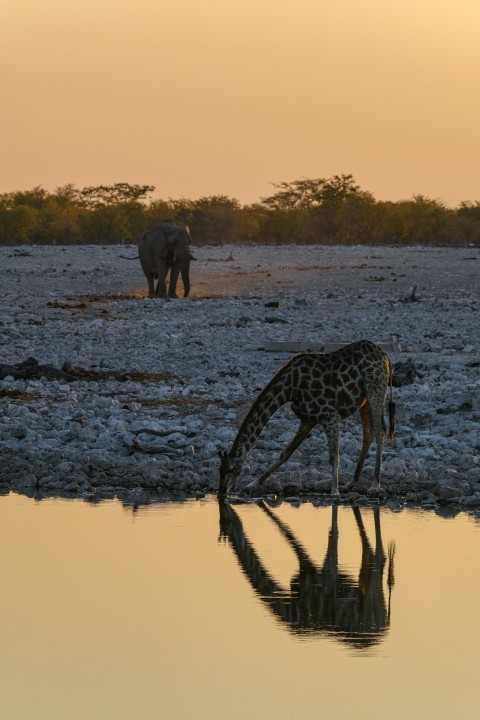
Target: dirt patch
<point>94,305</point>
<point>32,369</point>
<point>188,402</point>
<point>19,396</point>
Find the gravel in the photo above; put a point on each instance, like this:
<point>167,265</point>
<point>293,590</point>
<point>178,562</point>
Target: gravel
<point>176,377</point>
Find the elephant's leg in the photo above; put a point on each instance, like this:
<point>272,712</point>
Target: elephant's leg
<point>172,287</point>
<point>186,281</point>
<point>162,270</point>
<point>151,284</point>
<point>180,266</point>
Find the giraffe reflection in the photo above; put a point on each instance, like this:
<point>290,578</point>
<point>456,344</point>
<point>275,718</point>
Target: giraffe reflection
<point>321,600</point>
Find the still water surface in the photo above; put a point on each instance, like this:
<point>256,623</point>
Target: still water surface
<point>192,610</point>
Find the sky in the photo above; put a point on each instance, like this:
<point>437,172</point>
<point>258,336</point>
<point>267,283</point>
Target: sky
<point>202,97</point>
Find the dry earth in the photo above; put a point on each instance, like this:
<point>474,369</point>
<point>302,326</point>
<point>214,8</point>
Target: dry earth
<point>173,379</point>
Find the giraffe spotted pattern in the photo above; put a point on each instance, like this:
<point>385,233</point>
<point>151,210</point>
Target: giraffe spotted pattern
<point>322,390</point>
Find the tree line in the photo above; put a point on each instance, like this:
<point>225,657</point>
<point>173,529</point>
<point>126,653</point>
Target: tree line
<point>322,211</point>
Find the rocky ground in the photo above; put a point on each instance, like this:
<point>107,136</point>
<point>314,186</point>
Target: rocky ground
<point>150,390</point>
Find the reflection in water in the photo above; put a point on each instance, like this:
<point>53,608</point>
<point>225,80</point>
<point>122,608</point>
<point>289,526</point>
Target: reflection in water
<point>321,599</point>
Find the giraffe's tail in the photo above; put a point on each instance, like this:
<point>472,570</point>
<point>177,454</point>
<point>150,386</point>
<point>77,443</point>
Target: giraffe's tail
<point>391,413</point>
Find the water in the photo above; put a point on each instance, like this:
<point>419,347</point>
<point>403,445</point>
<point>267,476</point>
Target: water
<point>170,611</point>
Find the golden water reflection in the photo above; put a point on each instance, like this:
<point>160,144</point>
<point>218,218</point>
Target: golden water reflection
<point>320,598</point>
<point>106,612</point>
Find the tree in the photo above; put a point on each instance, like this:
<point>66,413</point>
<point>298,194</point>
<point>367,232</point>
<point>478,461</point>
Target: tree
<point>213,220</point>
<point>117,194</point>
<point>17,222</point>
<point>418,221</point>
<point>306,193</point>
<point>469,209</point>
<point>316,207</point>
<point>467,222</point>
<point>113,213</point>
<point>309,210</point>
<point>337,198</point>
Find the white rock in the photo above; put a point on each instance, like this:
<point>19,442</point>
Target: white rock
<point>209,367</point>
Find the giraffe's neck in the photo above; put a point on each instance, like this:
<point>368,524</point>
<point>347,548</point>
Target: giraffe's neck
<point>272,397</point>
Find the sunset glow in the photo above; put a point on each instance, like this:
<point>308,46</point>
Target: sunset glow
<point>199,98</point>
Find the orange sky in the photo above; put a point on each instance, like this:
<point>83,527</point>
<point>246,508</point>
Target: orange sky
<point>201,97</point>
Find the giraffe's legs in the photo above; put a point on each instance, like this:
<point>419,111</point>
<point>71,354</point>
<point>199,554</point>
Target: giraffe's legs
<point>331,431</point>
<point>303,431</point>
<point>375,428</point>
<point>380,436</point>
<point>379,430</point>
<point>368,435</point>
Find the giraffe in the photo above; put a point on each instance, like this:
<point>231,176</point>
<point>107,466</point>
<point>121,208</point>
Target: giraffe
<point>322,390</point>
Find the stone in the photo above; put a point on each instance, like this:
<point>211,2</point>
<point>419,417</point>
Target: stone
<point>198,374</point>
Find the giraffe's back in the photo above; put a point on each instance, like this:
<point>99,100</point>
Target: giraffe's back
<point>338,381</point>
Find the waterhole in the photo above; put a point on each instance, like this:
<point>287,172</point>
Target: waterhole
<point>208,610</point>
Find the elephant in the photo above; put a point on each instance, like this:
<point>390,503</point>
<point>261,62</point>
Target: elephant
<point>166,247</point>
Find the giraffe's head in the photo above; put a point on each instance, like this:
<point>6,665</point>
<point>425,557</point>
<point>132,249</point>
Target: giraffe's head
<point>230,468</point>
